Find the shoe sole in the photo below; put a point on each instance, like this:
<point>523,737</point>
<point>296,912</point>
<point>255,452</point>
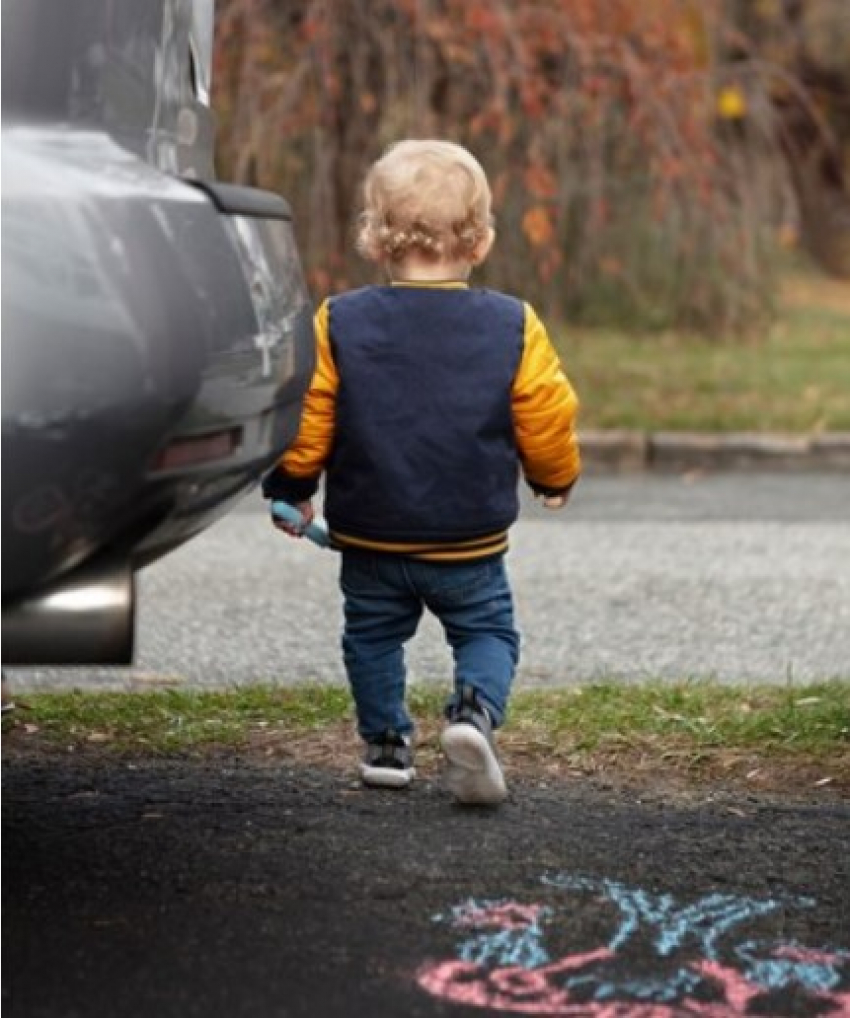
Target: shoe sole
<point>474,776</point>
<point>386,777</point>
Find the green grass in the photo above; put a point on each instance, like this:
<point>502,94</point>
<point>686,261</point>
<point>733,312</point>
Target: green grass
<point>675,726</point>
<point>813,719</point>
<point>795,378</point>
<point>171,720</point>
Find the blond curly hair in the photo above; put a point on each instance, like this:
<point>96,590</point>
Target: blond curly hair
<point>428,198</point>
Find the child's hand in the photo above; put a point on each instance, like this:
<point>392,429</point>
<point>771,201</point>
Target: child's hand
<point>307,514</point>
<point>555,501</point>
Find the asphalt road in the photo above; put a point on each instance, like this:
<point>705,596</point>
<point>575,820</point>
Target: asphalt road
<point>737,577</point>
<point>187,889</point>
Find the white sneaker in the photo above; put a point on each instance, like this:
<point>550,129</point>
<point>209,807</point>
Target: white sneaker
<point>388,761</point>
<point>474,775</point>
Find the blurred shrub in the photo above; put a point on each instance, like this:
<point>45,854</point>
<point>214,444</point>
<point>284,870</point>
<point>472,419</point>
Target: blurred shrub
<point>637,181</point>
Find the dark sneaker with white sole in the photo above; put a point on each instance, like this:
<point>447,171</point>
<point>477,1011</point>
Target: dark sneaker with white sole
<point>474,775</point>
<point>387,761</point>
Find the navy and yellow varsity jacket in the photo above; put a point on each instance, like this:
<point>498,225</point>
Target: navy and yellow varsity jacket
<point>426,402</point>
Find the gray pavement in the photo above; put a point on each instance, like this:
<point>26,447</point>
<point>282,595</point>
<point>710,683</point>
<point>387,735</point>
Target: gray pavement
<point>199,888</point>
<point>738,577</point>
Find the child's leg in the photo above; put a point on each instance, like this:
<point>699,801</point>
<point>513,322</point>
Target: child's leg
<point>382,612</point>
<point>475,606</point>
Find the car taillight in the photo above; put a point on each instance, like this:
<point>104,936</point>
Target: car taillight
<point>190,452</point>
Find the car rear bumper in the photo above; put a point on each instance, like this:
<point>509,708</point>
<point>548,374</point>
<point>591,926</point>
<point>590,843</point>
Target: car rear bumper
<point>157,343</point>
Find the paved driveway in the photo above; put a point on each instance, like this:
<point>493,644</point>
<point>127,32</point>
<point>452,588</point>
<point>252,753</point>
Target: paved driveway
<point>192,889</point>
<point>732,576</point>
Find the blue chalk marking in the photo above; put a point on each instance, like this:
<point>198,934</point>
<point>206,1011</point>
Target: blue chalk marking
<point>520,945</point>
<point>506,948</point>
<point>777,973</point>
<point>706,921</point>
<point>289,514</point>
<point>506,934</point>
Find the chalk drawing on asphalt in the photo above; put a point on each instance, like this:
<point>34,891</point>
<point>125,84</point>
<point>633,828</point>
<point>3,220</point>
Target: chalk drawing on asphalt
<point>662,958</point>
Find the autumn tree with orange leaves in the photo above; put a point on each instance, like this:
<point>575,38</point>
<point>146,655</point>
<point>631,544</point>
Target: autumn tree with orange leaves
<point>618,198</point>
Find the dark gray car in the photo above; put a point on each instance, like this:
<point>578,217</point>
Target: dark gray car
<point>157,338</point>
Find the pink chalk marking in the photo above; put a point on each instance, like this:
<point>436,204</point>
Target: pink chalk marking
<point>510,916</point>
<point>842,1004</point>
<point>463,982</point>
<point>739,991</point>
<point>528,991</point>
<point>806,954</point>
<point>513,988</point>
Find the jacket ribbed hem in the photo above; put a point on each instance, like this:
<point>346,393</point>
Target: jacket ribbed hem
<point>474,550</point>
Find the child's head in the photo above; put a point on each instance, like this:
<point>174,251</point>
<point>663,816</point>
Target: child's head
<point>429,200</point>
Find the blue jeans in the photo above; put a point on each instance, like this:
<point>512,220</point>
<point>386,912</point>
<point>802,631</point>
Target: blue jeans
<point>384,598</point>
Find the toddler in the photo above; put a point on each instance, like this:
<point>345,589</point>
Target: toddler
<point>428,401</point>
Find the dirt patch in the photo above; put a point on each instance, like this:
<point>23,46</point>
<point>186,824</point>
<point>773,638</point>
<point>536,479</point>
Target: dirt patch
<point>638,768</point>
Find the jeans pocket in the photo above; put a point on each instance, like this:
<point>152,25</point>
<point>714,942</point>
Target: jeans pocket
<point>455,585</point>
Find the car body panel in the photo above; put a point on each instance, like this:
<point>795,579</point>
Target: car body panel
<point>157,331</point>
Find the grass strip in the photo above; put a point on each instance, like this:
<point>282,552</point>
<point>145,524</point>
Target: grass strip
<point>699,729</point>
<point>795,378</point>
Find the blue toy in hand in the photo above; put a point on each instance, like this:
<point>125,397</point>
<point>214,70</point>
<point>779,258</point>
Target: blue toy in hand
<point>289,514</point>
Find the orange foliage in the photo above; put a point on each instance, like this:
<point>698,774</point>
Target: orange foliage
<point>589,115</point>
<point>537,225</point>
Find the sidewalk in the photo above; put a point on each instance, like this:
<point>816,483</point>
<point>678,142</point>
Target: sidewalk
<point>676,451</point>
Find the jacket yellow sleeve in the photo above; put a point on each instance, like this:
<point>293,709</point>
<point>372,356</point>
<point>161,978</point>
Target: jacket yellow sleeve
<point>308,454</point>
<point>544,411</point>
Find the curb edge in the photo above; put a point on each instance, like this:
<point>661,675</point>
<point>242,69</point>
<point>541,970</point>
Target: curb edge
<point>626,450</point>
